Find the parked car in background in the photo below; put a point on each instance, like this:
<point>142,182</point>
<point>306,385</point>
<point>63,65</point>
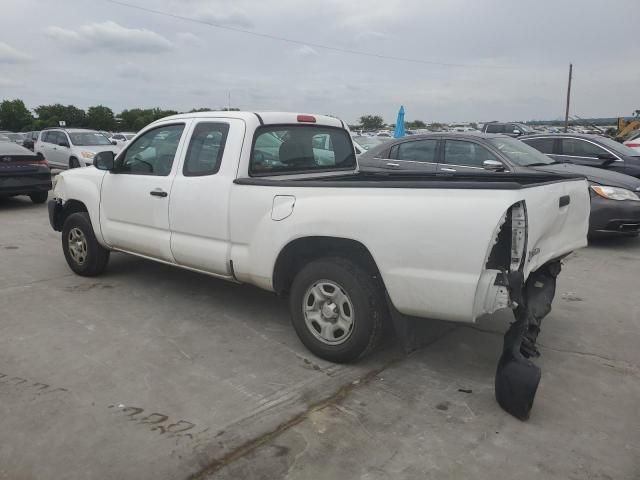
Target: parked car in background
<point>589,150</point>
<point>615,200</point>
<point>15,137</point>
<point>366,142</point>
<point>633,142</point>
<point>23,173</point>
<point>122,138</point>
<point>72,147</point>
<point>4,138</point>
<point>511,128</point>
<point>30,139</point>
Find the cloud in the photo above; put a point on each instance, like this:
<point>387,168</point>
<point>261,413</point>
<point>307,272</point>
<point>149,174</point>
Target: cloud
<point>188,37</point>
<point>305,51</point>
<point>110,36</point>
<point>232,19</point>
<point>8,54</point>
<point>7,83</point>
<point>132,71</point>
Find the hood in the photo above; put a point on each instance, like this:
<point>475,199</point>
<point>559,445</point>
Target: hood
<point>596,175</point>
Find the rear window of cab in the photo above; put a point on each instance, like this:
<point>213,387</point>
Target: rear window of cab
<point>291,149</point>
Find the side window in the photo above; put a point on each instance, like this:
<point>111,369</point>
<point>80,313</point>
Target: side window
<point>44,137</point>
<point>63,138</point>
<point>580,148</point>
<point>393,153</point>
<point>54,137</point>
<point>544,145</point>
<point>495,128</point>
<point>153,152</point>
<point>460,152</point>
<point>418,151</point>
<point>205,149</point>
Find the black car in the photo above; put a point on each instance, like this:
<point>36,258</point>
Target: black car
<point>615,198</point>
<point>23,173</point>
<point>512,129</point>
<point>589,150</point>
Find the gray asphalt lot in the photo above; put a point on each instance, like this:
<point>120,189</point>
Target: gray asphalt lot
<point>151,372</point>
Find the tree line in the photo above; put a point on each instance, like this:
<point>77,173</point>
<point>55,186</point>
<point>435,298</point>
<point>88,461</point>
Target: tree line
<point>16,117</point>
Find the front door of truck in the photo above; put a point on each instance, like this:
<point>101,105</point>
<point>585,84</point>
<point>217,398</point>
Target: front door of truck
<point>134,204</point>
<point>198,211</point>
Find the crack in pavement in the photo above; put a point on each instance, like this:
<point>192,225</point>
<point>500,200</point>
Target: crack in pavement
<point>336,398</point>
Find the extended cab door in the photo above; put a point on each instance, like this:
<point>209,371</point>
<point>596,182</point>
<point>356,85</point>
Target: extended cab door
<point>198,211</point>
<point>413,155</point>
<point>134,203</point>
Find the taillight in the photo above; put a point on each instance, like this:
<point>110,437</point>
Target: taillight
<point>307,118</point>
<point>632,145</point>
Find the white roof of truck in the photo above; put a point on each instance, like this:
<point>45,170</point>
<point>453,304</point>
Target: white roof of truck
<point>266,118</point>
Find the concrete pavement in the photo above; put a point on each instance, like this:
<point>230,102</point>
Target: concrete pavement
<point>153,372</point>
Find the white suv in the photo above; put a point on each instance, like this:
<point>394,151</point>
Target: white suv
<point>71,147</point>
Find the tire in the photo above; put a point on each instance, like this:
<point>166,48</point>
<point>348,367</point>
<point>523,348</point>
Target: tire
<point>39,197</point>
<point>364,306</point>
<point>74,163</point>
<point>87,257</point>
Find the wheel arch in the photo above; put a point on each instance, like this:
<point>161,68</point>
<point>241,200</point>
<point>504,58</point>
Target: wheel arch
<point>69,207</point>
<point>302,250</point>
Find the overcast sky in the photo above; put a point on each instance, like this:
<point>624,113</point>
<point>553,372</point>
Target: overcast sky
<point>513,56</point>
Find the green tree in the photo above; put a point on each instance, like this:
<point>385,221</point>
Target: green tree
<point>416,124</point>
<point>51,115</point>
<point>371,122</point>
<point>14,115</point>
<point>100,118</point>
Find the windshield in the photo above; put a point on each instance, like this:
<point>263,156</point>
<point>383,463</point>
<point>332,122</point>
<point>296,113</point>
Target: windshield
<point>519,152</point>
<point>617,147</point>
<point>368,142</point>
<point>89,138</point>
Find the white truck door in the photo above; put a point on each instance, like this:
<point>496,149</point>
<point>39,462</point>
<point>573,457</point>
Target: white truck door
<point>199,208</point>
<point>134,205</point>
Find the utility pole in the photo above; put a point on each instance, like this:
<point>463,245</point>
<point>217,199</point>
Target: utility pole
<point>229,99</point>
<point>566,115</point>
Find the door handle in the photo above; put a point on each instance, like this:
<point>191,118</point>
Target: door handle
<point>391,164</point>
<point>158,193</point>
<point>445,169</point>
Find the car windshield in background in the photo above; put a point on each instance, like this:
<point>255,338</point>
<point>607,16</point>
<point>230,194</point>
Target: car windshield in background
<point>4,138</point>
<point>300,149</point>
<point>15,136</point>
<point>89,138</point>
<point>617,147</point>
<point>519,152</point>
<point>369,142</point>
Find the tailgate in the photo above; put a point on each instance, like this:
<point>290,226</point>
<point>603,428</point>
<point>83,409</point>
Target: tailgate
<point>558,220</point>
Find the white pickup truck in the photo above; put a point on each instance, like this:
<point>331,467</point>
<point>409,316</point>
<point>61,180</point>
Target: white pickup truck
<point>276,200</point>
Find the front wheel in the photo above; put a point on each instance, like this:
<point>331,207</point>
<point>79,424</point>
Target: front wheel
<point>82,251</point>
<point>74,163</point>
<point>337,309</point>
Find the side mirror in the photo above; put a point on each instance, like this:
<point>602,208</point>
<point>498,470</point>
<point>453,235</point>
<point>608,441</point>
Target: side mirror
<point>493,165</point>
<point>606,156</point>
<point>113,142</point>
<point>63,144</point>
<point>517,132</point>
<point>104,160</point>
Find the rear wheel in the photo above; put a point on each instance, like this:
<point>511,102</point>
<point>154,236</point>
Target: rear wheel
<point>337,309</point>
<point>74,163</point>
<point>39,197</point>
<point>84,255</point>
